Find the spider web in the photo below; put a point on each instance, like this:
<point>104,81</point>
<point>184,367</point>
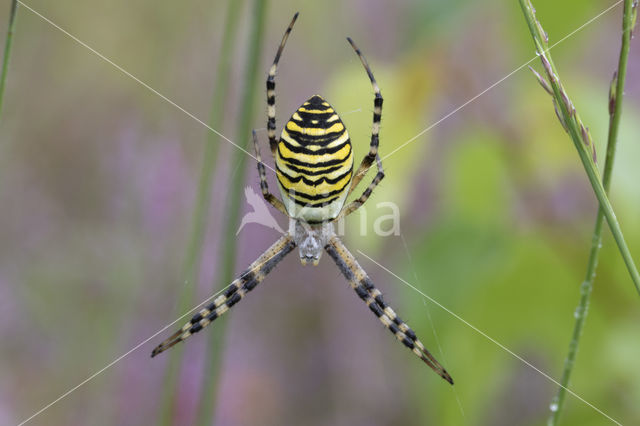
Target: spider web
<point>195,118</point>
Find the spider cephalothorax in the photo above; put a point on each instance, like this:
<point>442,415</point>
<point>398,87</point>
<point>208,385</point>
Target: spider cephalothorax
<point>311,239</point>
<point>314,168</point>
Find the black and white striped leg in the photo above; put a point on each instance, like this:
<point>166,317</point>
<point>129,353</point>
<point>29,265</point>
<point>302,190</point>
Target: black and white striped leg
<point>264,186</point>
<point>372,156</point>
<point>402,326</point>
<point>361,283</point>
<point>271,90</point>
<point>239,288</point>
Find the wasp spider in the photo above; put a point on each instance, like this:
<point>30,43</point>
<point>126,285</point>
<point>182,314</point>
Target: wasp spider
<point>314,168</point>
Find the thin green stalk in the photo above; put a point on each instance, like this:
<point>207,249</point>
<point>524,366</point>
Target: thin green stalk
<point>229,242</point>
<point>193,255</point>
<point>615,112</point>
<point>579,133</point>
<point>7,50</point>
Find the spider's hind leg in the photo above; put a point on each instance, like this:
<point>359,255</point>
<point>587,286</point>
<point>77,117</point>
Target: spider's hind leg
<point>246,282</point>
<point>364,287</point>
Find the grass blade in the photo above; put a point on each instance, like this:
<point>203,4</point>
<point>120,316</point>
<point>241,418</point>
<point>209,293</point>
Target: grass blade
<point>229,243</point>
<point>579,133</point>
<point>7,50</point>
<point>203,201</point>
<point>616,94</point>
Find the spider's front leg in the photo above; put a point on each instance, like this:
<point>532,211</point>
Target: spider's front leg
<point>271,90</point>
<point>246,282</point>
<point>271,122</point>
<point>364,287</point>
<point>373,155</point>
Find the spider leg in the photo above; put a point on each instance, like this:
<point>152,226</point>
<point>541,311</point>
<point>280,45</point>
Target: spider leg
<point>246,282</point>
<point>372,156</point>
<point>271,90</point>
<point>264,186</point>
<point>361,283</point>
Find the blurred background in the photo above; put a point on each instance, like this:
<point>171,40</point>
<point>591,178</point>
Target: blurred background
<point>99,182</point>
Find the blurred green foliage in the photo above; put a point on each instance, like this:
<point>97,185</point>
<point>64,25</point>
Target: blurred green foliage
<point>97,183</point>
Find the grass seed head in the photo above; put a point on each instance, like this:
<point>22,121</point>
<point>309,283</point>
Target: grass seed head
<point>542,82</point>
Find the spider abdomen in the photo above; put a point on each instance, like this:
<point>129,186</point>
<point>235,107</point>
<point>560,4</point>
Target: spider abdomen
<point>314,162</point>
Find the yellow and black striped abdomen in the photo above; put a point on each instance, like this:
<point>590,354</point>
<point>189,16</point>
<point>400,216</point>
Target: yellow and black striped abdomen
<point>314,162</point>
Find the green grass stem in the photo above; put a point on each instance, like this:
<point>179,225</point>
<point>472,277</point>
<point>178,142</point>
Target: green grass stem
<point>616,94</point>
<point>235,188</point>
<point>579,133</point>
<point>7,50</point>
<point>193,255</point>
